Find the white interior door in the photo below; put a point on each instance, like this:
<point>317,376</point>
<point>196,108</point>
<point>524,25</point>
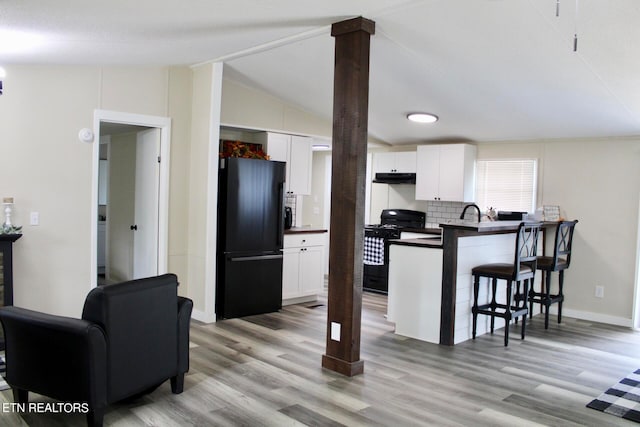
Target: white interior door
<point>145,227</point>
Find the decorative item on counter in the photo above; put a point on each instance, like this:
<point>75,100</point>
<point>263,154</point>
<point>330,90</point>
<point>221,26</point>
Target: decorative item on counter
<point>551,213</point>
<point>7,226</point>
<point>245,150</point>
<point>492,214</point>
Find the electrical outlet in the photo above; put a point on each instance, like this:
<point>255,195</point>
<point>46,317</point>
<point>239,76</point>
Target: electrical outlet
<point>599,291</point>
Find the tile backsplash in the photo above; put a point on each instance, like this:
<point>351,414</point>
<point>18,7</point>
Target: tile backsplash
<point>439,212</point>
<point>291,201</point>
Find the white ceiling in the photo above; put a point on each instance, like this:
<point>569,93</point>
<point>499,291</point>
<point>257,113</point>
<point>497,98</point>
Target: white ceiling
<point>490,69</point>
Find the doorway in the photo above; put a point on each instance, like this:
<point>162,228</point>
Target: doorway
<point>131,175</point>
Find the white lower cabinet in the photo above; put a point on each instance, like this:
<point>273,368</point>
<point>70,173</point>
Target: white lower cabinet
<point>303,274</point>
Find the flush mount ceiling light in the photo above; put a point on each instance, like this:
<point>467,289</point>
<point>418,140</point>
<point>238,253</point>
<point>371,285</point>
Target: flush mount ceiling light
<point>19,41</point>
<point>422,117</point>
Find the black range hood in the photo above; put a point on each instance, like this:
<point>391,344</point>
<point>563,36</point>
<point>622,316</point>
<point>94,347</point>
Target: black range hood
<point>395,178</point>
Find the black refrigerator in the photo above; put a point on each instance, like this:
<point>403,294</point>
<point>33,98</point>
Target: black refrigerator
<point>250,237</point>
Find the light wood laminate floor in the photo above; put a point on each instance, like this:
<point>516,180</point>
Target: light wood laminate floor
<point>265,371</point>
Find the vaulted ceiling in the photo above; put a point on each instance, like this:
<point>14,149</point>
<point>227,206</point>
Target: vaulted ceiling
<point>490,69</point>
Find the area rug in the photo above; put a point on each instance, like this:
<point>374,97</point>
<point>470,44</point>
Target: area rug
<point>621,400</point>
<point>3,383</point>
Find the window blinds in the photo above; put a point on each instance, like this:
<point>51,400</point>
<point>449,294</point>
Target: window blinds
<point>507,185</point>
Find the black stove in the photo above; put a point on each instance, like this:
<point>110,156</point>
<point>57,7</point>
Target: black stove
<point>386,231</point>
<point>376,237</point>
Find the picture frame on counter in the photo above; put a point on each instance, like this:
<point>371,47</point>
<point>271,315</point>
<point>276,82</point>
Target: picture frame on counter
<point>551,212</point>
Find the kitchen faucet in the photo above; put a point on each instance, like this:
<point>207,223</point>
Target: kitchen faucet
<point>473,205</point>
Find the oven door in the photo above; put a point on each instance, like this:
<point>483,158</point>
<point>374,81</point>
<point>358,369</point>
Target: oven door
<point>375,278</point>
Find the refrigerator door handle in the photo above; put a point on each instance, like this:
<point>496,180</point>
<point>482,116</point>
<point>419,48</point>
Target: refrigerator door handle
<point>281,210</point>
<point>255,258</point>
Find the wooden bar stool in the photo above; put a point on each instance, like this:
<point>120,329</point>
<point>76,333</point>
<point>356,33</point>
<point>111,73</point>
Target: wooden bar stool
<point>558,262</point>
<point>522,270</point>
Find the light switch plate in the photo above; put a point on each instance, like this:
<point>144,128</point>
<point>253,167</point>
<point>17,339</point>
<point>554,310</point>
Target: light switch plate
<point>335,331</point>
<point>34,218</point>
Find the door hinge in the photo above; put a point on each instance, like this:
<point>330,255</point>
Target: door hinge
<point>158,159</point>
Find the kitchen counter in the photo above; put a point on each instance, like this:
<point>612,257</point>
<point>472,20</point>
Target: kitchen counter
<point>300,230</point>
<point>466,245</point>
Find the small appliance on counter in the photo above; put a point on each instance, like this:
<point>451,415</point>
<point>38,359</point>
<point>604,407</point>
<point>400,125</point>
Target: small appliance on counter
<point>375,276</point>
<point>288,218</point>
<point>510,216</point>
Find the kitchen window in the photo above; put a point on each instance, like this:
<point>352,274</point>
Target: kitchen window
<point>506,184</point>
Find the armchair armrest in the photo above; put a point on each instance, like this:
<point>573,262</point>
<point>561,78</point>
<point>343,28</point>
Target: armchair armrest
<point>57,356</point>
<point>185,306</point>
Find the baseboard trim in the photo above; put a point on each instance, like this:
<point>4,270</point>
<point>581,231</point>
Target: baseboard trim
<point>300,300</point>
<point>343,367</point>
<point>201,316</point>
<point>593,317</point>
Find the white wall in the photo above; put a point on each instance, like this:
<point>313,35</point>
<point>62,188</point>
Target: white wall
<point>196,225</point>
<point>253,109</point>
<point>179,109</point>
<point>48,170</point>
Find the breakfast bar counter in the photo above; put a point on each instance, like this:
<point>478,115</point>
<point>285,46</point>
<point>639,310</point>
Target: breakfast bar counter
<point>430,283</point>
<point>464,246</point>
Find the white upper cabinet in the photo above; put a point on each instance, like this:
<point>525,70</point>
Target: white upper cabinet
<point>297,152</point>
<point>402,161</point>
<point>278,147</point>
<point>446,172</point>
<point>301,158</point>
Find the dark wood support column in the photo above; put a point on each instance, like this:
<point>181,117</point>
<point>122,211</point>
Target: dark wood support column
<point>349,161</point>
<point>449,276</point>
<point>450,238</point>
